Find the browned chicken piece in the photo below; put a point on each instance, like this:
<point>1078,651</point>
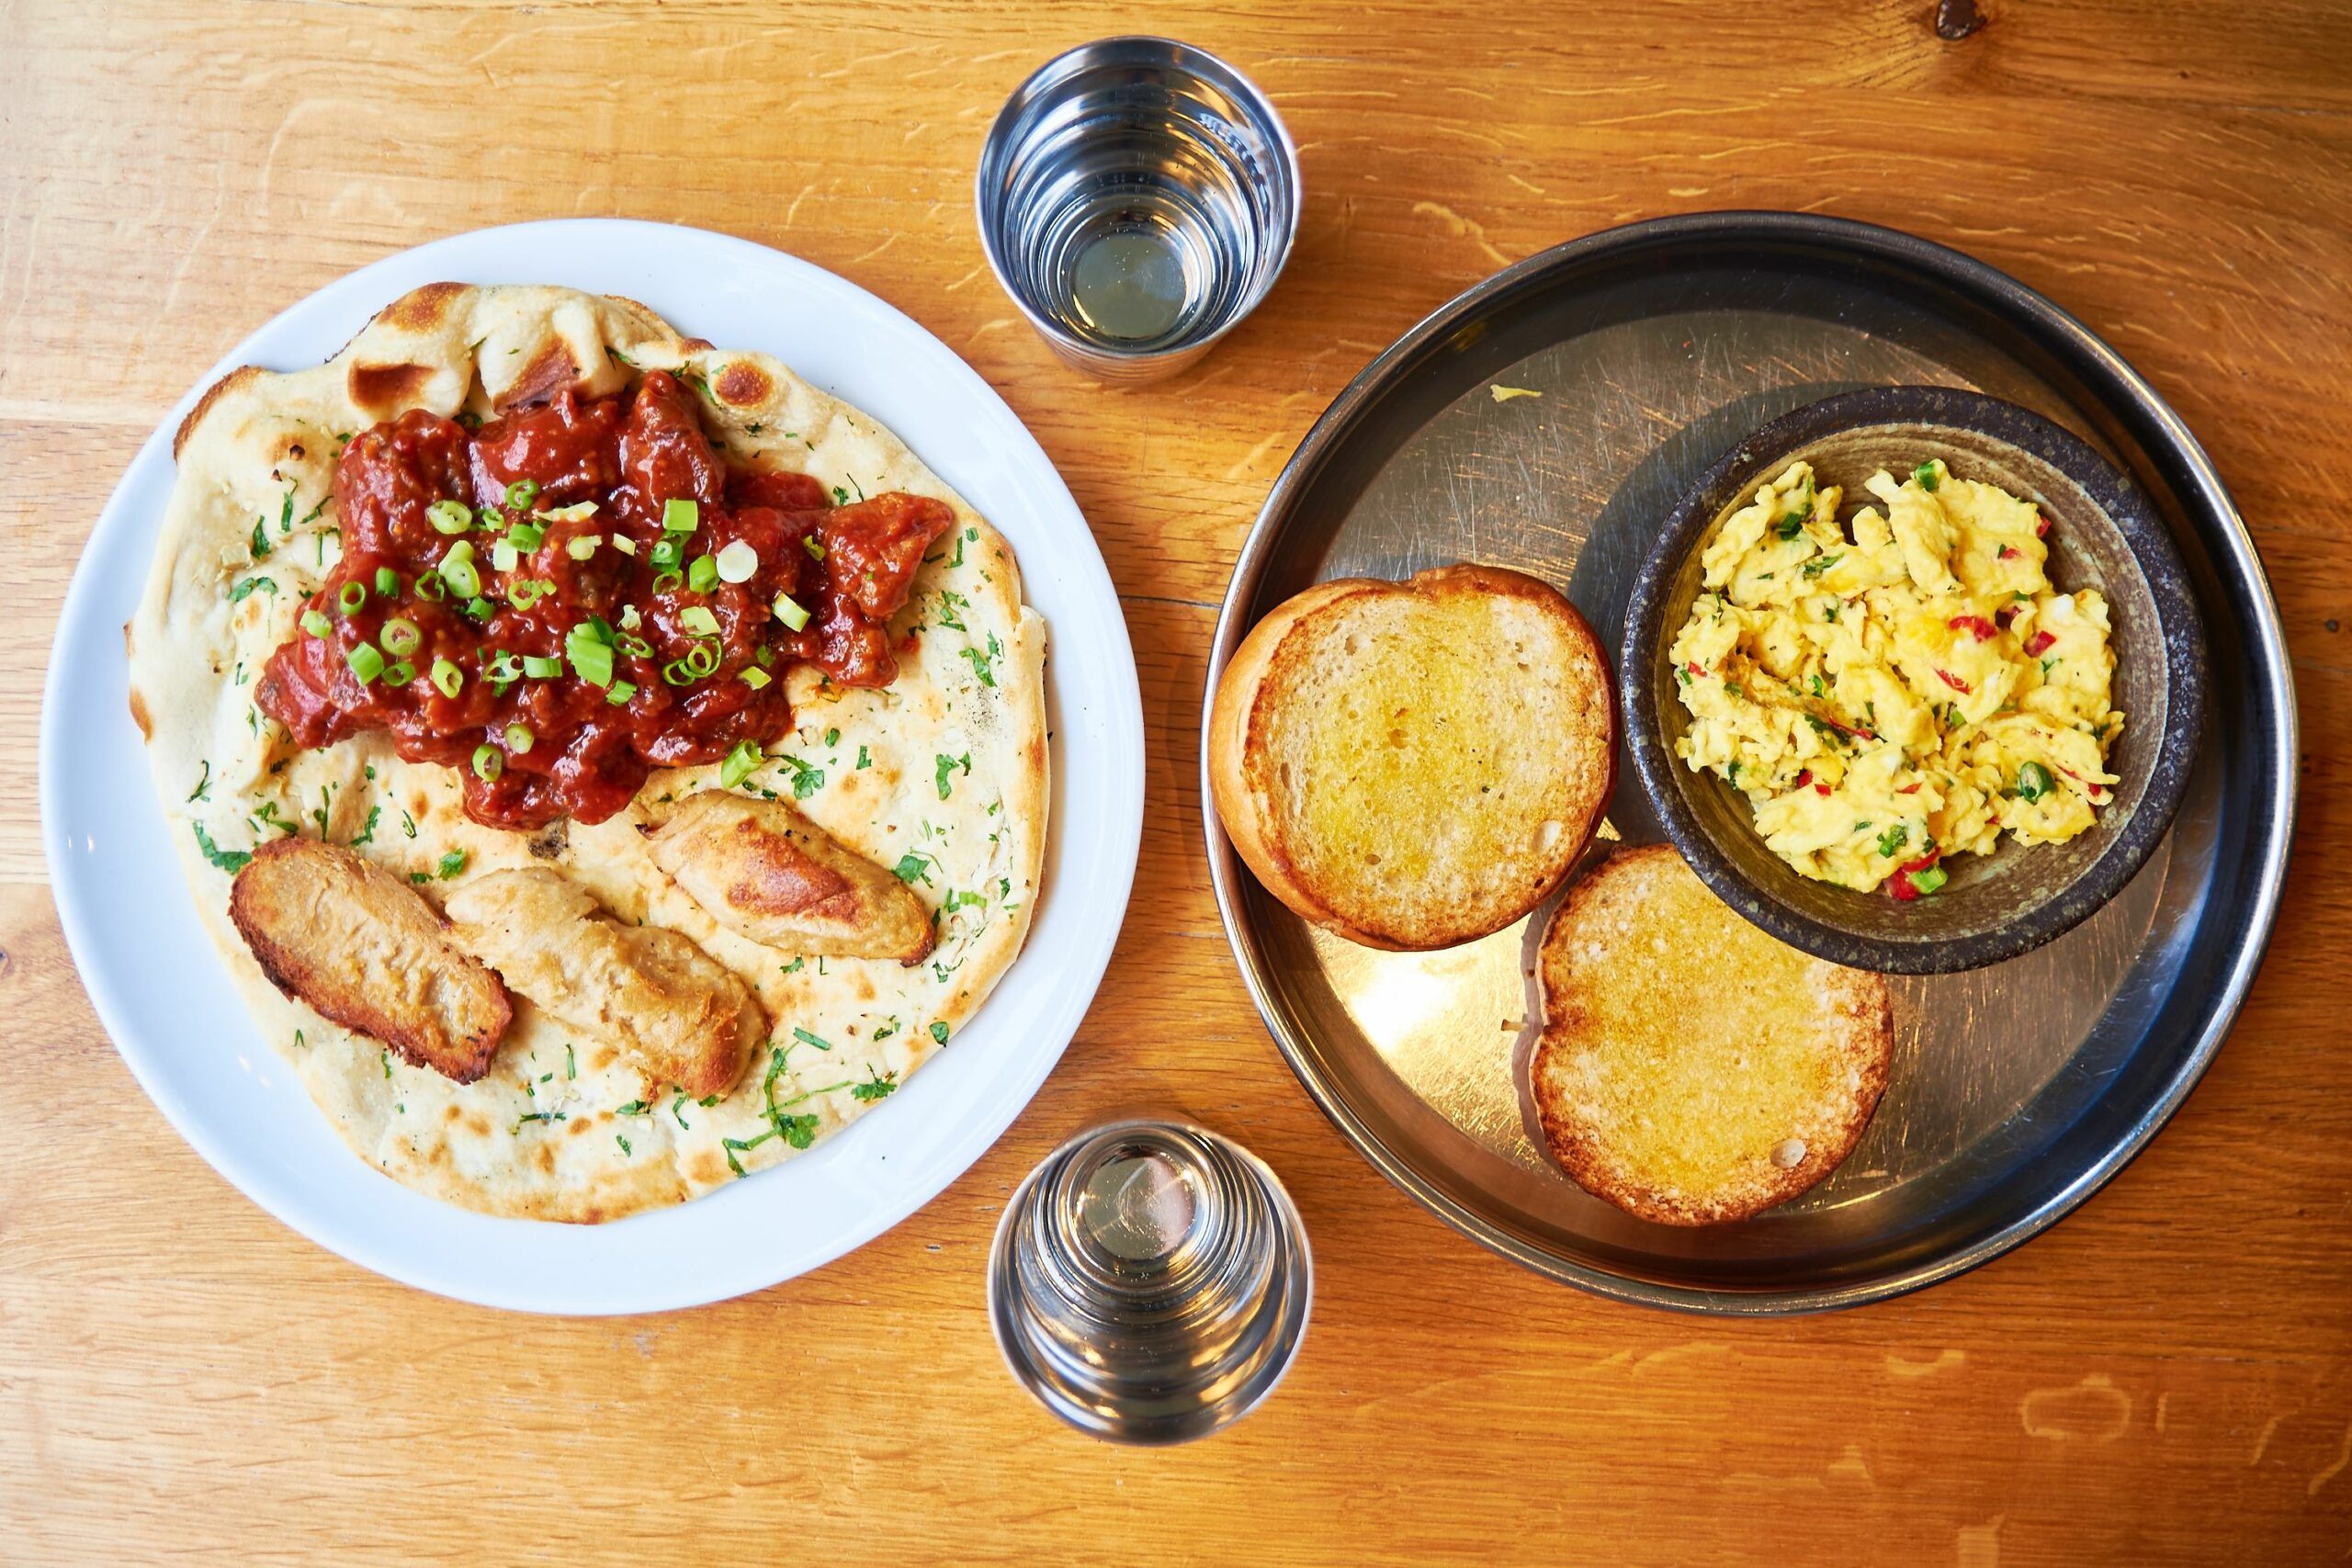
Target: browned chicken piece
<point>350,940</point>
<point>765,872</point>
<point>679,1015</point>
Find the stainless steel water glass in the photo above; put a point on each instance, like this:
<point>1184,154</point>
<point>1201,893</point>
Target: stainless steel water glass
<point>1149,1281</point>
<point>1137,197</point>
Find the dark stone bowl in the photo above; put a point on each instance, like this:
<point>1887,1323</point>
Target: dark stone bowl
<point>2105,535</point>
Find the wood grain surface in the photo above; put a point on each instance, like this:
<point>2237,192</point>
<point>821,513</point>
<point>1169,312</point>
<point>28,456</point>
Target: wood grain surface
<point>2167,1376</point>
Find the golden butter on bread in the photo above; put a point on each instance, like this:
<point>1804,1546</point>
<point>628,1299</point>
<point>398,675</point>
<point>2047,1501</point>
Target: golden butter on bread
<point>1413,765</point>
<point>1693,1068</point>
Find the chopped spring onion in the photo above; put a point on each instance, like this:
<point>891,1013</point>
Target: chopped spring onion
<point>428,586</point>
<point>521,494</point>
<point>527,592</point>
<point>633,646</point>
<point>1926,474</point>
<point>702,575</point>
<point>737,562</point>
<point>540,668</point>
<point>448,678</point>
<point>583,547</point>
<point>502,666</point>
<point>766,658</point>
<point>681,516</point>
<point>519,739</point>
<point>491,517</point>
<point>458,569</point>
<point>350,596</point>
<point>478,608</point>
<point>816,551</point>
<point>591,661</point>
<point>489,762</point>
<point>401,636</point>
<point>316,623</point>
<point>629,619</point>
<point>666,555</point>
<point>757,677</point>
<point>398,673</point>
<point>789,610</point>
<point>697,618</point>
<point>741,764</point>
<point>676,672</point>
<point>2034,781</point>
<point>621,692</point>
<point>504,556</point>
<point>578,511</point>
<point>449,516</point>
<point>387,583</point>
<point>669,581</point>
<point>702,659</point>
<point>365,661</point>
<point>526,536</point>
<point>1927,881</point>
<point>624,544</point>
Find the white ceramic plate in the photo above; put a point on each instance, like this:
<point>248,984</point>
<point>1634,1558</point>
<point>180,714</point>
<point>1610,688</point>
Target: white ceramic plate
<point>161,991</point>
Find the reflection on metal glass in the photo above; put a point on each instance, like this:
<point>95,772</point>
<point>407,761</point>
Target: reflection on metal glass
<point>1137,198</point>
<point>1149,1282</point>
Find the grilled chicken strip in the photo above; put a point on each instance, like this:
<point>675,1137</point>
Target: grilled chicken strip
<point>664,1002</point>
<point>765,872</point>
<point>353,942</point>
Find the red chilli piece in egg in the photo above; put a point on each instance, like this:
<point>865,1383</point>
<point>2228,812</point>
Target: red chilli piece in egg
<point>1955,682</point>
<point>2036,644</point>
<point>1976,627</point>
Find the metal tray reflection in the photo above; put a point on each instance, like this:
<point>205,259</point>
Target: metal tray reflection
<point>2017,1089</point>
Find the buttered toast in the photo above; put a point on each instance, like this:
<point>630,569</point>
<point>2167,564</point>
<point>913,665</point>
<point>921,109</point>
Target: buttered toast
<point>1412,765</point>
<point>1692,1069</point>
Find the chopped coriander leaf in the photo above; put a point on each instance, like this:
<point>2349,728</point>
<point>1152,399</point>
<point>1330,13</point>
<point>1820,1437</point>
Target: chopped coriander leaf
<point>367,834</point>
<point>910,868</point>
<point>832,737</point>
<point>796,967</point>
<point>238,594</point>
<point>452,864</point>
<point>863,758</point>
<point>808,1039</point>
<point>876,1087</point>
<point>230,861</point>
<point>203,790</point>
<point>947,765</point>
<point>624,1144</point>
<point>939,1032</point>
<point>259,544</point>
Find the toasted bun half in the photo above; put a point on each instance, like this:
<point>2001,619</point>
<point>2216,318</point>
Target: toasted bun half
<point>1412,765</point>
<point>1693,1069</point>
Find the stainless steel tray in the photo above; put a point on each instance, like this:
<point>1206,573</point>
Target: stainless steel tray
<point>2017,1091</point>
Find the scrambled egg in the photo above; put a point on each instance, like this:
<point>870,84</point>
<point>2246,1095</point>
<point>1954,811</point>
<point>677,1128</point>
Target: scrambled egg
<point>1904,695</point>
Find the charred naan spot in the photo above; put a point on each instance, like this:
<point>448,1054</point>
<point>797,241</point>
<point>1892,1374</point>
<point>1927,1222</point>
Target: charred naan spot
<point>706,1169</point>
<point>576,1129</point>
<point>781,878</point>
<point>549,843</point>
<point>865,989</point>
<point>549,372</point>
<point>440,1155</point>
<point>138,716</point>
<point>385,389</point>
<point>694,345</point>
<point>237,378</point>
<point>602,1056</point>
<point>479,1125</point>
<point>450,1114</point>
<point>745,386</point>
<point>544,1157</point>
<point>422,308</point>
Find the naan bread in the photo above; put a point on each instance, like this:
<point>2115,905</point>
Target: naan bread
<point>940,775</point>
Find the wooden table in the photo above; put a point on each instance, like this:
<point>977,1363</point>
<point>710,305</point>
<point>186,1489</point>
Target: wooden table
<point>2168,1375</point>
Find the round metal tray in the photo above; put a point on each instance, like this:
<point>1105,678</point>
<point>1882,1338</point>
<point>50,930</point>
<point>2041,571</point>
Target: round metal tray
<point>2017,1091</point>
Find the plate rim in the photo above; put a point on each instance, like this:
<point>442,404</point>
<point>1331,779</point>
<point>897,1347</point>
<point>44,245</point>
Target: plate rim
<point>487,253</point>
<point>1979,281</point>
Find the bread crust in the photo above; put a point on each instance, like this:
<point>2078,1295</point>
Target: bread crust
<point>1863,1001</point>
<point>1239,743</point>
